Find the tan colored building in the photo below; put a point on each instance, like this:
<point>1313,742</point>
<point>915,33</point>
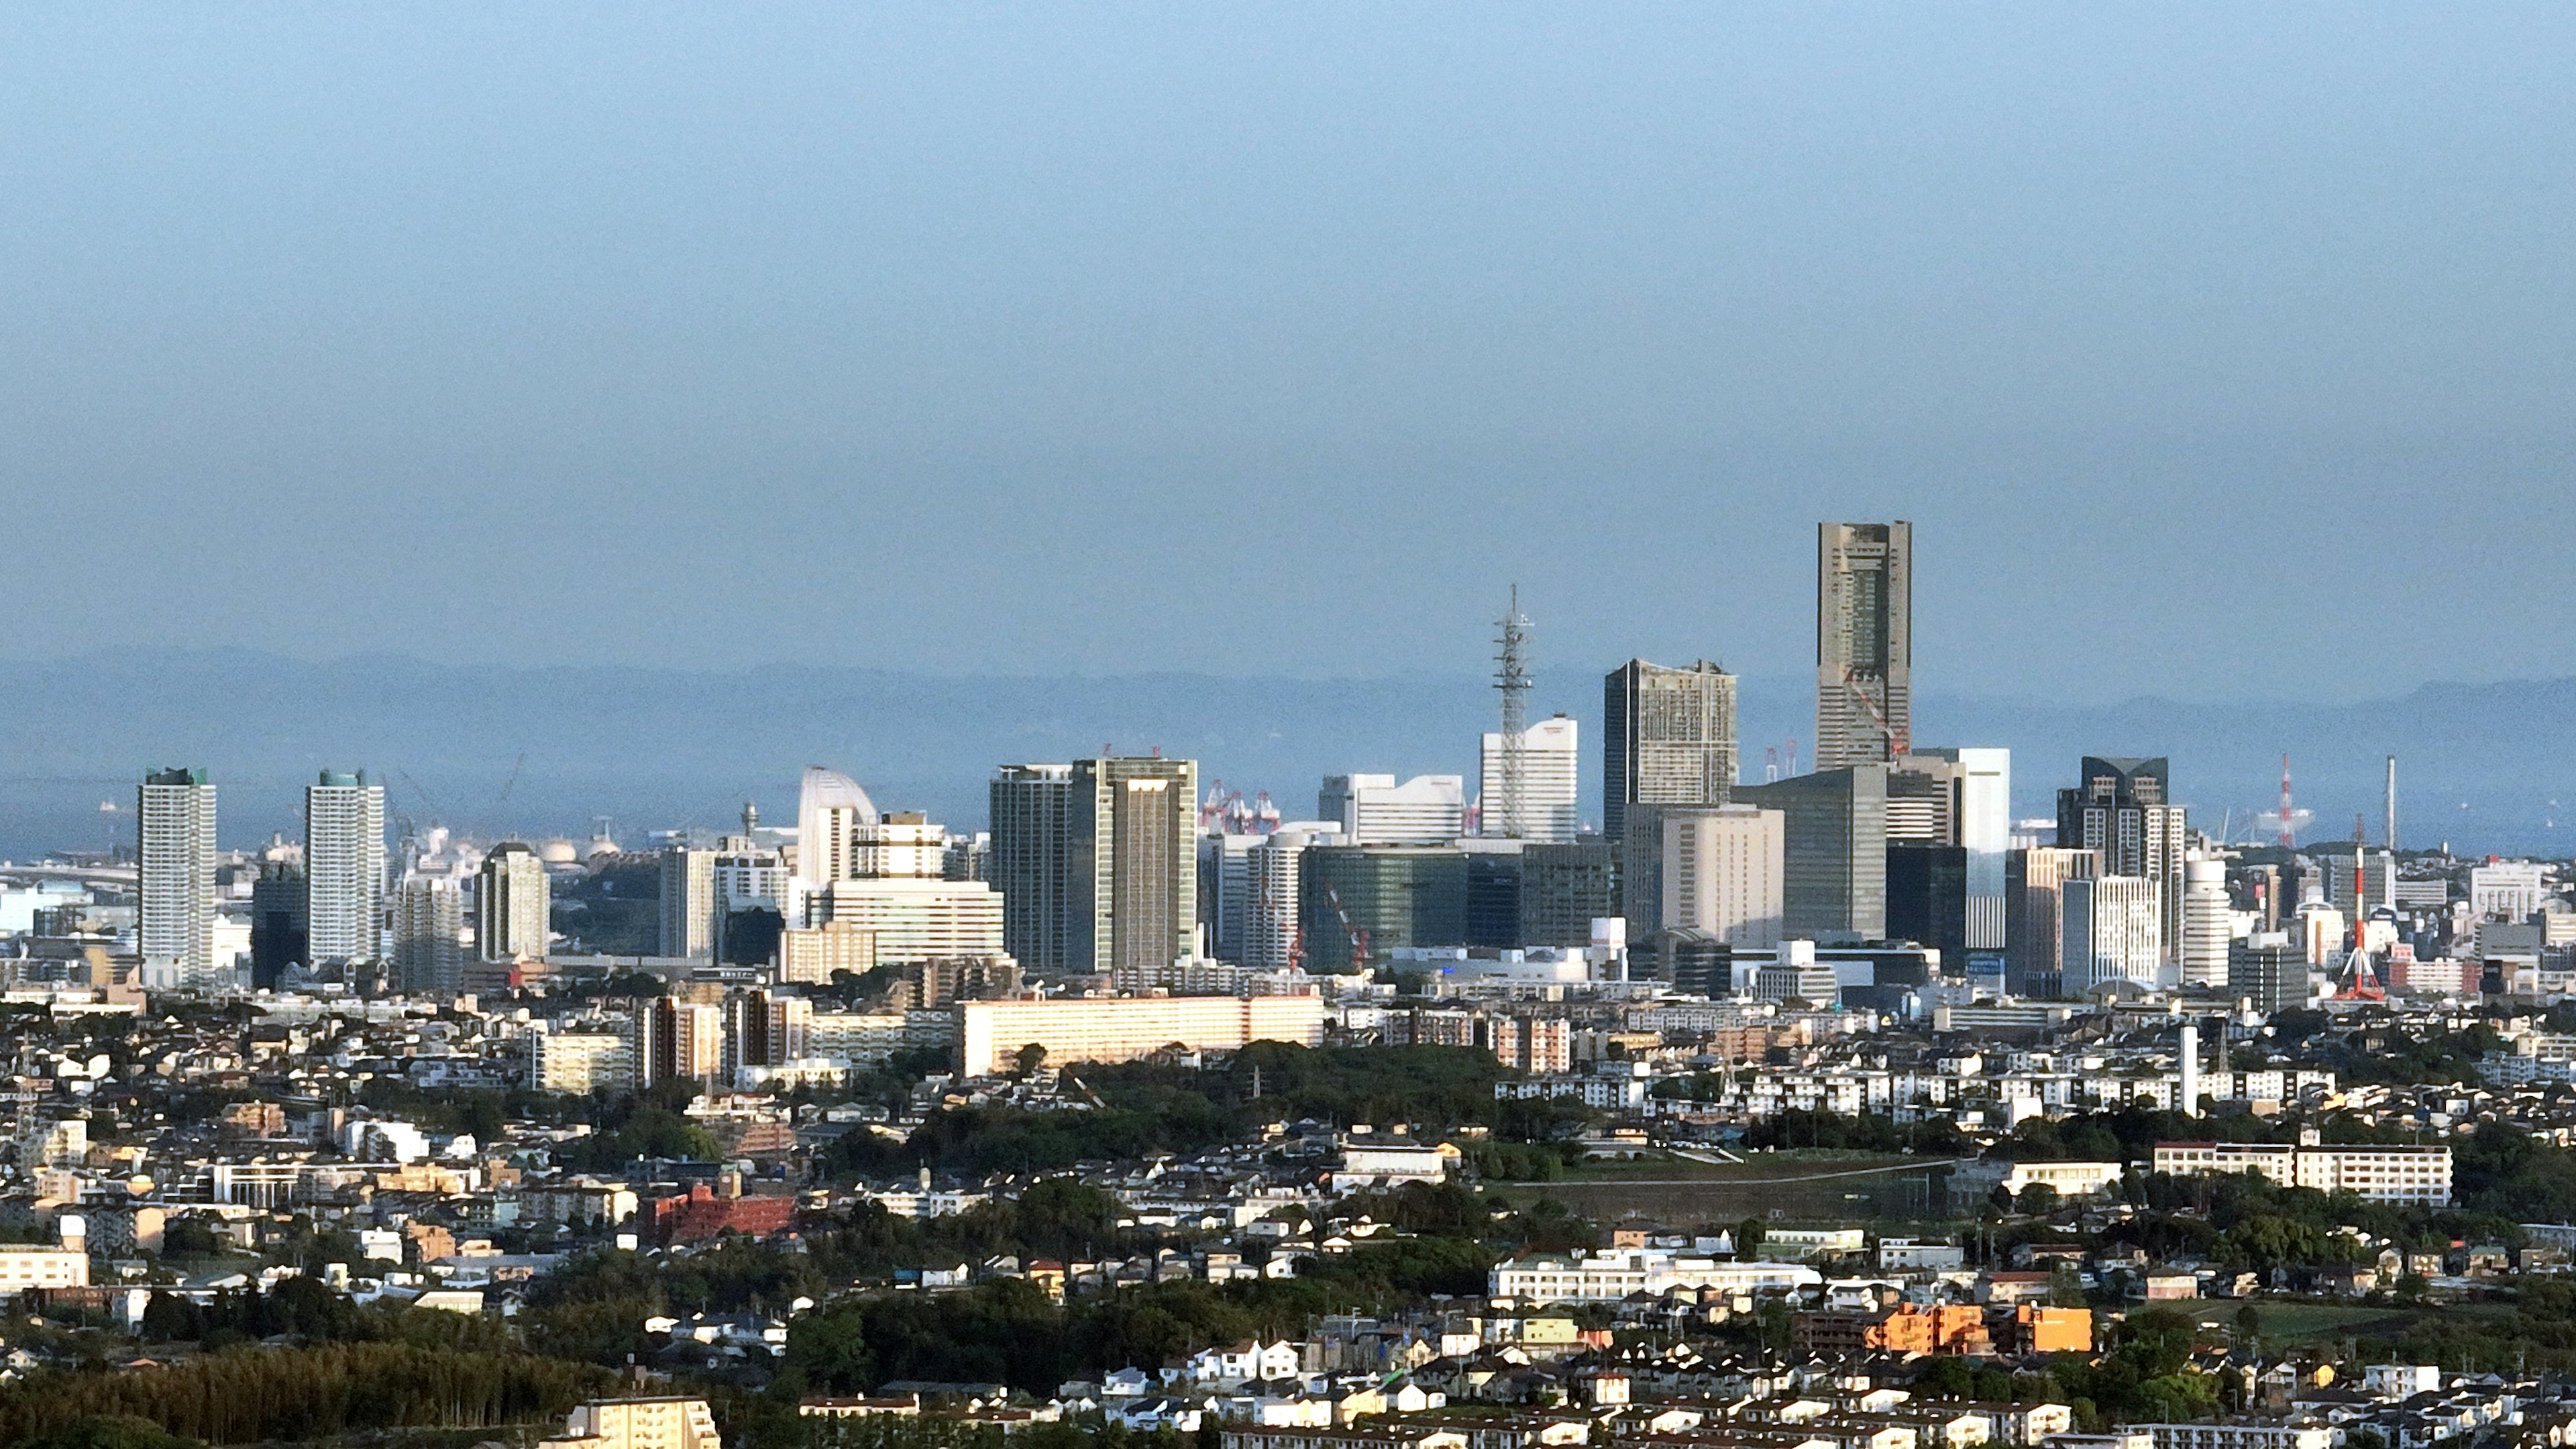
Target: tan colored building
<point>1118,1029</point>
<point>24,1267</point>
<point>665,1423</point>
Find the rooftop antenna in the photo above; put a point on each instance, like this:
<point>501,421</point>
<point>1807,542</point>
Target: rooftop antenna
<point>1511,677</point>
<point>2289,831</point>
<point>2390,838</point>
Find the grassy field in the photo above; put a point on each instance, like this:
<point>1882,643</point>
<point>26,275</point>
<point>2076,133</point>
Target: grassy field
<point>1795,1187</point>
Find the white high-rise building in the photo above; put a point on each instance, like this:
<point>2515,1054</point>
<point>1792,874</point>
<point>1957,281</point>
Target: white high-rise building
<point>1723,872</point>
<point>2206,923</point>
<point>688,904</point>
<point>174,853</point>
<point>1550,760</point>
<point>830,808</point>
<point>2113,930</point>
<point>1375,810</point>
<point>512,904</point>
<point>1273,873</point>
<point>1225,893</point>
<point>344,869</point>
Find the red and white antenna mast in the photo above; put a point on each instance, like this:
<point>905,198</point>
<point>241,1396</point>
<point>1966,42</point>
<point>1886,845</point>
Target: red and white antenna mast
<point>2289,832</point>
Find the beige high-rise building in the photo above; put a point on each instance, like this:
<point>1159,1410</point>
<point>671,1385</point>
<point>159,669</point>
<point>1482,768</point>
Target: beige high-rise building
<point>174,849</point>
<point>1864,643</point>
<point>1667,738</point>
<point>808,955</point>
<point>912,919</point>
<point>677,1040</point>
<point>1131,864</point>
<point>1722,873</point>
<point>2034,911</point>
<point>512,905</point>
<point>664,1423</point>
<point>690,912</point>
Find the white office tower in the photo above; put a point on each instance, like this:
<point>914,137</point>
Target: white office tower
<point>2504,890</point>
<point>2206,924</point>
<point>830,808</point>
<point>2189,1103</point>
<point>901,895</point>
<point>512,903</point>
<point>1374,810</point>
<point>1548,758</point>
<point>429,934</point>
<point>2113,931</point>
<point>1984,784</point>
<point>903,845</point>
<point>344,868</point>
<point>688,904</point>
<point>1723,873</point>
<point>174,852</point>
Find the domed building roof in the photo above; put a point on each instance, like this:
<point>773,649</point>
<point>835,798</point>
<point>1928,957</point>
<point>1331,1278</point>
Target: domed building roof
<point>831,790</point>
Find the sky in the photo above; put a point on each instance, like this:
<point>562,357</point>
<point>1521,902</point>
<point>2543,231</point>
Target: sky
<point>2215,351</point>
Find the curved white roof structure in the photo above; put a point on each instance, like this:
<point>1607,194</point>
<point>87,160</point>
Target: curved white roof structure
<point>828,804</point>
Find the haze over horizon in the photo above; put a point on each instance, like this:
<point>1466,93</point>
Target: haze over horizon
<point>2216,355</point>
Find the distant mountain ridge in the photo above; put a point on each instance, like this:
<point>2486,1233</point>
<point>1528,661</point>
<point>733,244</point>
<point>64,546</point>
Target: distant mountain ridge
<point>655,747</point>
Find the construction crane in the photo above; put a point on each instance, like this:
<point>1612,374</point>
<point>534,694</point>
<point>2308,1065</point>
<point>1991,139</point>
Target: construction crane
<point>1359,937</point>
<point>1897,744</point>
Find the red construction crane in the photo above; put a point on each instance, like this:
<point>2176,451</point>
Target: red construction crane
<point>1897,744</point>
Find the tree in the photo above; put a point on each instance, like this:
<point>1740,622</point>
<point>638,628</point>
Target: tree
<point>2039,1200</point>
<point>1029,1058</point>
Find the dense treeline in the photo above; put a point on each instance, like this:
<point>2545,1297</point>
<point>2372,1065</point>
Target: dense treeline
<point>314,1312</point>
<point>250,1394</point>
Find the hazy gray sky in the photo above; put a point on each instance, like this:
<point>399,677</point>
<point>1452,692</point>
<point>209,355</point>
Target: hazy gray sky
<point>2225,350</point>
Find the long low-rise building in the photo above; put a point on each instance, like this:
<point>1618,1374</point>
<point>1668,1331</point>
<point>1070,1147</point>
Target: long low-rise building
<point>1601,1277</point>
<point>2407,1174</point>
<point>1123,1028</point>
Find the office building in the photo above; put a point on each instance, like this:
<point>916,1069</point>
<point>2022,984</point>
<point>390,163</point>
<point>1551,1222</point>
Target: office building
<point>1667,738</point>
<point>2268,972</point>
<point>1380,897</point>
<point>1927,898</point>
<point>830,809</point>
<point>1225,899</point>
<point>2123,812</point>
<point>2357,891</point>
<point>1493,892</point>
<point>1030,805</point>
<point>512,905</point>
<point>1962,798</point>
<point>1565,887</point>
<point>1834,830</point>
<point>429,934</point>
<point>2418,1175</point>
<point>2504,890</point>
<point>174,899</point>
<point>912,918</point>
<point>1118,1029</point>
<point>1375,810</point>
<point>1131,864</point>
<point>1550,762</point>
<point>1720,870</point>
<point>690,917</point>
<point>677,1041</point>
<point>276,922</point>
<point>344,869</point>
<point>2207,924</point>
<point>1864,643</point>
<point>2034,914</point>
<point>2111,927</point>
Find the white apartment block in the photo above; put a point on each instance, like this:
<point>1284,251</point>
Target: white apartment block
<point>915,919</point>
<point>580,1061</point>
<point>2507,890</point>
<point>344,868</point>
<point>1611,1275</point>
<point>2381,1174</point>
<point>660,1423</point>
<point>22,1268</point>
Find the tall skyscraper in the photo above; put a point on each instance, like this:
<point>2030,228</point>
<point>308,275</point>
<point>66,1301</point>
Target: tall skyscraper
<point>1375,810</point>
<point>1961,798</point>
<point>512,904</point>
<point>1864,642</point>
<point>2123,812</point>
<point>2111,928</point>
<point>1667,738</point>
<point>1030,804</point>
<point>1131,865</point>
<point>1565,888</point>
<point>174,851</point>
<point>689,909</point>
<point>2205,925</point>
<point>276,922</point>
<point>1225,893</point>
<point>1549,762</point>
<point>1723,873</point>
<point>1834,881</point>
<point>344,869</point>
